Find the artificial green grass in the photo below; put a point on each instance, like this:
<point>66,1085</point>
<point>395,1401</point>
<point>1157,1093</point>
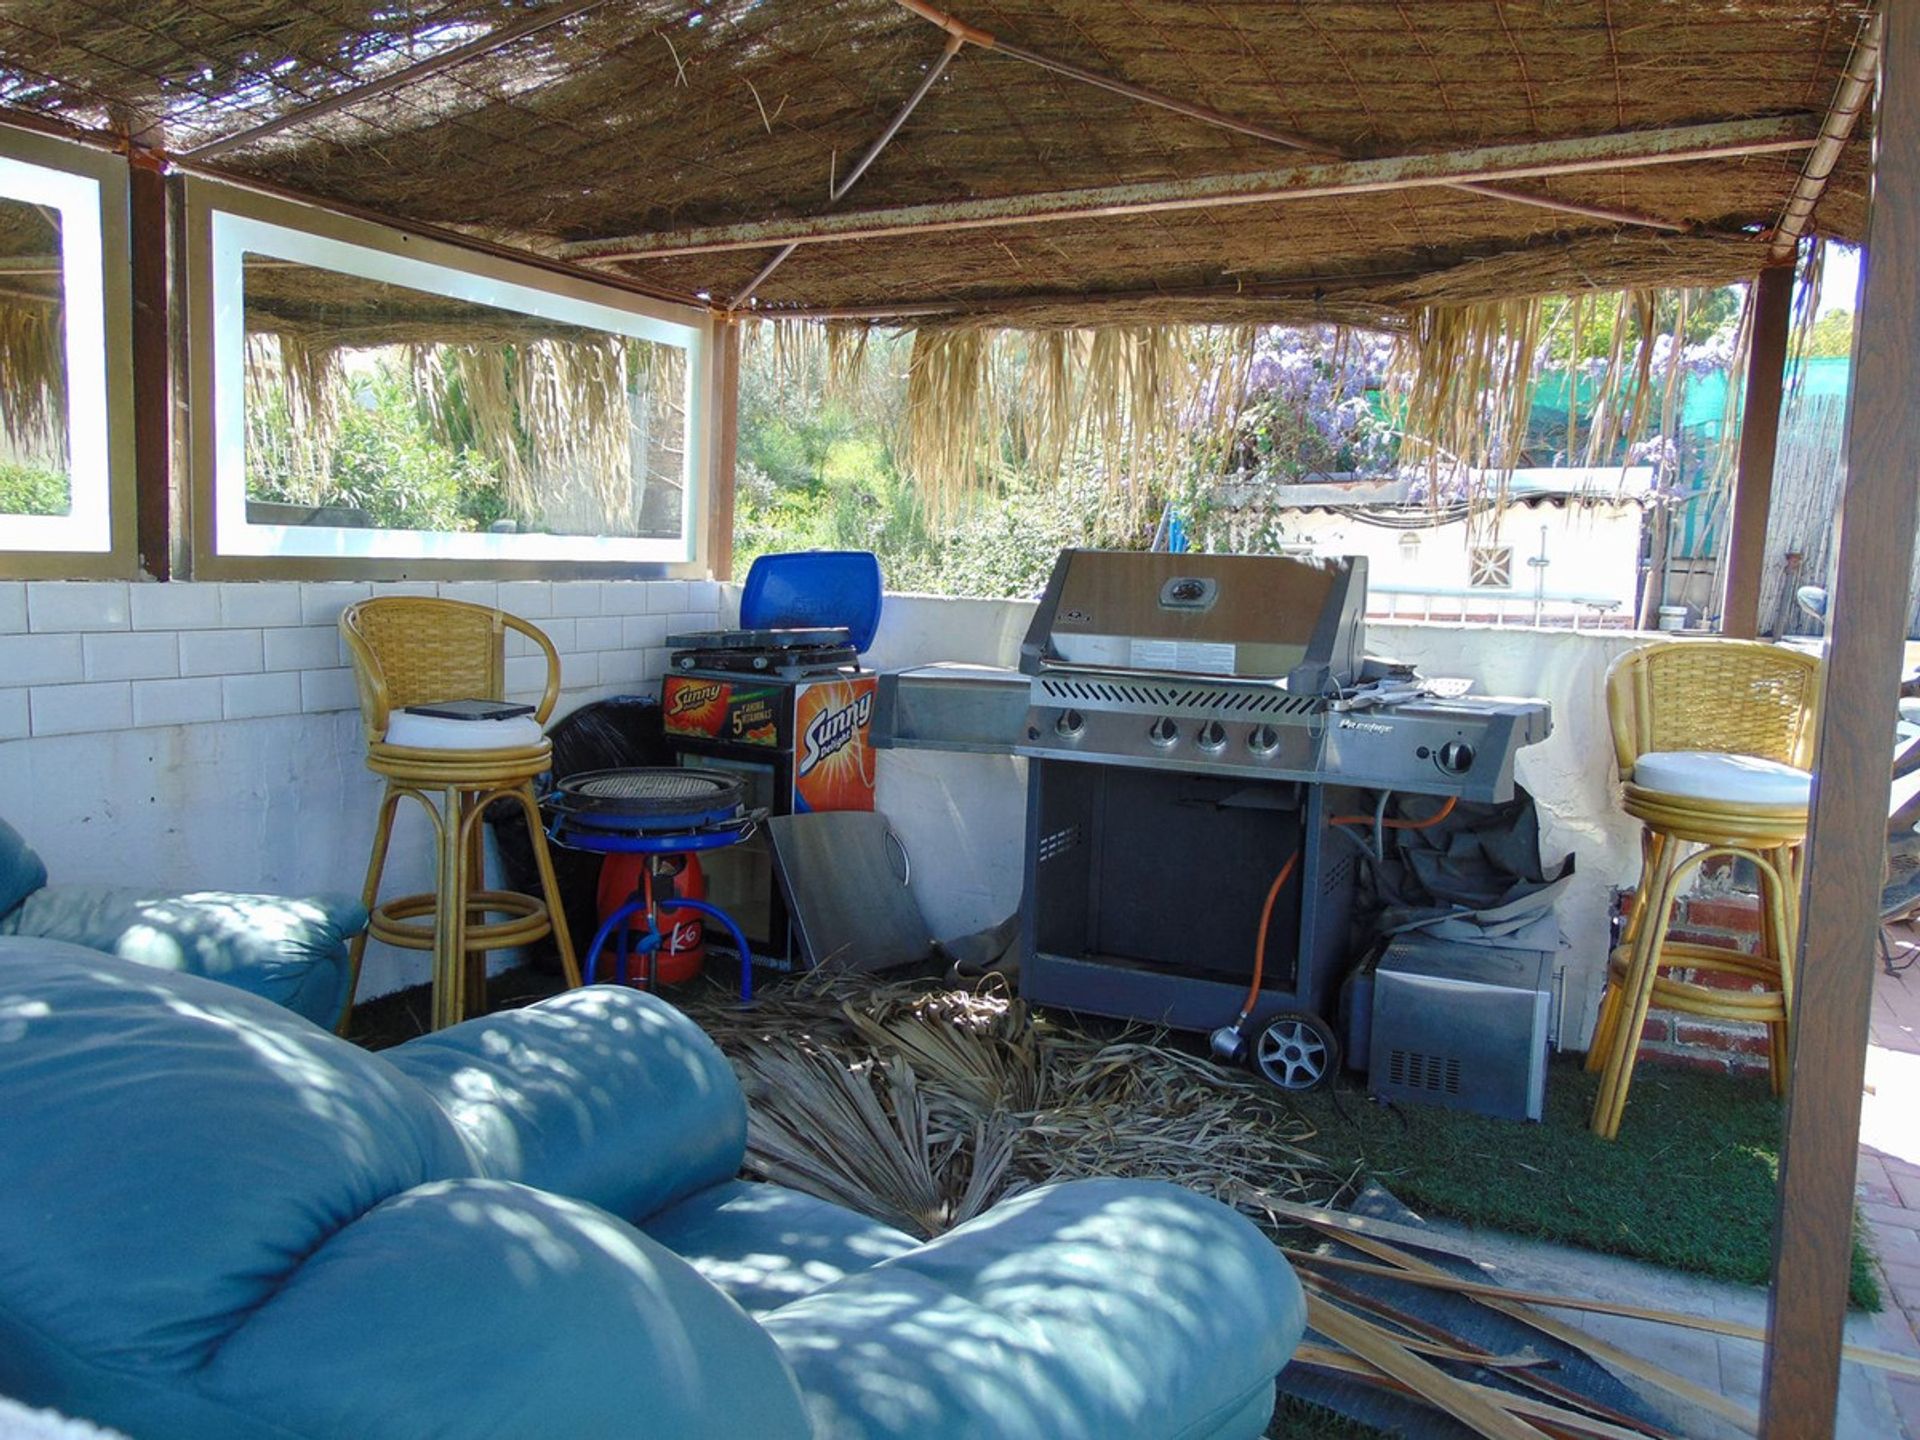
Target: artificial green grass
<point>1688,1185</point>
<point>1297,1419</point>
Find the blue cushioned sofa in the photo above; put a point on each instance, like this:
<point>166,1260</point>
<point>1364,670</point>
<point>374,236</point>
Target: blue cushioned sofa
<point>291,950</point>
<point>218,1220</point>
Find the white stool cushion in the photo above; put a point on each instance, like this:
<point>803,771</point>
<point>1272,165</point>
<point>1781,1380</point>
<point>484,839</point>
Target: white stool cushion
<point>1734,779</point>
<point>437,732</point>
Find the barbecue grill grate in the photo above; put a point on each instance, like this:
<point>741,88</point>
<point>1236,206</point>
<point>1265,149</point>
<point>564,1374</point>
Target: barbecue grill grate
<point>1212,699</point>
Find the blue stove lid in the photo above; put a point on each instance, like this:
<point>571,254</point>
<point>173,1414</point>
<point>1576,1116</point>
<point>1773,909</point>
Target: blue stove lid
<point>810,588</point>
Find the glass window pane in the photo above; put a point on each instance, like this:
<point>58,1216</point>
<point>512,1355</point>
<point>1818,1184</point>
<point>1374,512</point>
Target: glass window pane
<point>53,403</point>
<point>388,407</point>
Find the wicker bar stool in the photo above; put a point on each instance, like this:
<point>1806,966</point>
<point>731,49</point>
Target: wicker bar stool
<point>409,651</point>
<point>1714,740</point>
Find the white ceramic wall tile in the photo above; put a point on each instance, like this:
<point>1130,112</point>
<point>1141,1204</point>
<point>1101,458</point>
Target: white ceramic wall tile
<point>322,601</point>
<point>175,605</point>
<point>269,602</point>
<point>13,607</point>
<point>176,702</point>
<point>656,664</point>
<point>307,647</point>
<point>131,654</point>
<point>527,674</point>
<point>474,592</point>
<point>220,652</point>
<point>328,690</point>
<point>597,632</point>
<point>560,632</point>
<point>529,599</point>
<point>623,597</point>
<point>244,697</point>
<point>622,667</point>
<point>72,709</point>
<point>696,620</point>
<point>643,631</point>
<point>13,714</point>
<point>387,588</point>
<point>666,597</point>
<point>40,659</point>
<point>703,595</point>
<point>576,597</point>
<point>579,670</point>
<point>71,605</point>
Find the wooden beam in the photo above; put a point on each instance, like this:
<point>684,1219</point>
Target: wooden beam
<point>1220,120</point>
<point>486,44</point>
<point>459,239</point>
<point>1307,181</point>
<point>152,357</point>
<point>1846,854</point>
<point>724,420</point>
<point>1759,438</point>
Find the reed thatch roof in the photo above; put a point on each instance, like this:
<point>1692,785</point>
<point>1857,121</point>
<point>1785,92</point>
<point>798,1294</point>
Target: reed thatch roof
<point>642,118</point>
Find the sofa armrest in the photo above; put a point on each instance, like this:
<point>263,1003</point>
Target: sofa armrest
<point>1090,1310</point>
<point>474,1308</point>
<point>290,951</point>
<point>604,1094</point>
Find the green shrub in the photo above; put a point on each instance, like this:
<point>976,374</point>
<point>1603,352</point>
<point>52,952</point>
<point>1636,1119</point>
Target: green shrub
<point>34,490</point>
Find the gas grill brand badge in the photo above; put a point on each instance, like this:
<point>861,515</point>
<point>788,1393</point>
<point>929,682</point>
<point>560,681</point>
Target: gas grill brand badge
<point>833,765</point>
<point>1366,727</point>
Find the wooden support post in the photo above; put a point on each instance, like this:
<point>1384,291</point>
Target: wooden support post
<point>1759,438</point>
<point>1813,1231</point>
<point>152,354</point>
<point>723,419</point>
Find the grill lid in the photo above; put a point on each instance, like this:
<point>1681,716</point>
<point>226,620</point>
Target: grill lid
<point>1266,617</point>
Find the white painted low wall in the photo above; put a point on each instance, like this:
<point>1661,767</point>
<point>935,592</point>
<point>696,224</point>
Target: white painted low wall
<point>208,735</point>
<point>961,815</point>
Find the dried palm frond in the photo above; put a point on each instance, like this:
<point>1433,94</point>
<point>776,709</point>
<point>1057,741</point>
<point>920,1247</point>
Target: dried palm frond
<point>865,1136</point>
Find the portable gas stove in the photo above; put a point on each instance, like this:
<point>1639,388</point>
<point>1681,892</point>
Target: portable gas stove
<point>783,703</point>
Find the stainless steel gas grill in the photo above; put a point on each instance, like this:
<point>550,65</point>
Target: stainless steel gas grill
<point>1195,723</point>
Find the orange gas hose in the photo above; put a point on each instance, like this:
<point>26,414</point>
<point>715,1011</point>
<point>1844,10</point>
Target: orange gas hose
<point>1280,880</point>
<point>1433,819</point>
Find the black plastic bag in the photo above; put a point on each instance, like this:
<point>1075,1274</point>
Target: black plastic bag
<point>611,734</point>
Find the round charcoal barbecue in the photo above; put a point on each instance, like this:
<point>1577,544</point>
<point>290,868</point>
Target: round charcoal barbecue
<point>653,810</point>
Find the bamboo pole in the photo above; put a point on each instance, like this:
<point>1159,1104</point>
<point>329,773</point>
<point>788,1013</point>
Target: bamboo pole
<point>1313,180</point>
<point>860,168</point>
<point>1219,119</point>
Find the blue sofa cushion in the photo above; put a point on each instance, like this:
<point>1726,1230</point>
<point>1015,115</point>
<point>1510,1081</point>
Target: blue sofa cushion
<point>293,952</point>
<point>606,1094</point>
<point>476,1309</point>
<point>21,870</point>
<point>174,1149</point>
<point>766,1245</point>
<point>1096,1310</point>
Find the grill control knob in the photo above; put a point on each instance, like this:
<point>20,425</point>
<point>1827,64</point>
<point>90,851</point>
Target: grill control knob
<point>1212,736</point>
<point>1070,725</point>
<point>1163,732</point>
<point>1263,740</point>
<point>1455,757</point>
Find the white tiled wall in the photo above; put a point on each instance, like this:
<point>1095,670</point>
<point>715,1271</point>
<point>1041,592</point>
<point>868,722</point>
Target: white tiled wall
<point>208,735</point>
<point>82,656</point>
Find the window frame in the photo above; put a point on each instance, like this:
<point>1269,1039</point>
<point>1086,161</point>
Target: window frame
<point>112,410</point>
<point>212,307</point>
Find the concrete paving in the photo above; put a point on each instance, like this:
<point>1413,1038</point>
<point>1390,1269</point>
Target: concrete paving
<point>1869,1409</point>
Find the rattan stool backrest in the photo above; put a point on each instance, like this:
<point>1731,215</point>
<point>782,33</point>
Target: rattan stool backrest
<point>1737,697</point>
<point>415,650</point>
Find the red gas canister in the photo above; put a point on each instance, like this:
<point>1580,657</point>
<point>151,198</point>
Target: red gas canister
<point>683,950</point>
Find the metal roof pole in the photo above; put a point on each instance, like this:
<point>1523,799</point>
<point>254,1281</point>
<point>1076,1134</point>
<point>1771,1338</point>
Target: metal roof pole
<point>1846,851</point>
